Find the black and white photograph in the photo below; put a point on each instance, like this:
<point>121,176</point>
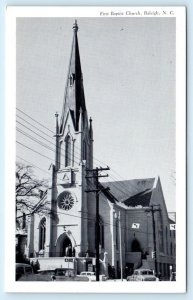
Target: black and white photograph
<point>99,131</point>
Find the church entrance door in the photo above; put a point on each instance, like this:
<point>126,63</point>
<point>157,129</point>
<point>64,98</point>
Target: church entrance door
<point>66,247</point>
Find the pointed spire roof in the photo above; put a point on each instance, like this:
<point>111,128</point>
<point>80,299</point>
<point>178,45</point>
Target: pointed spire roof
<point>74,100</point>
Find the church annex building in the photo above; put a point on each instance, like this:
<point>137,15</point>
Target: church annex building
<point>134,222</point>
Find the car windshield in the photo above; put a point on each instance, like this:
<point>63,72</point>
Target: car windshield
<point>47,272</point>
<point>60,272</point>
<point>146,272</point>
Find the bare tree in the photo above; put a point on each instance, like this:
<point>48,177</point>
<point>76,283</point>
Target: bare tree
<point>31,193</point>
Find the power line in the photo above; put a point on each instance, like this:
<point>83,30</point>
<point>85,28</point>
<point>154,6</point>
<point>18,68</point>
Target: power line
<point>104,223</point>
<point>35,132</point>
<point>47,147</point>
<point>50,131</point>
<point>118,182</point>
<point>35,120</point>
<point>43,145</point>
<point>34,150</point>
<point>33,126</point>
<point>91,218</point>
<point>45,140</point>
<point>33,165</point>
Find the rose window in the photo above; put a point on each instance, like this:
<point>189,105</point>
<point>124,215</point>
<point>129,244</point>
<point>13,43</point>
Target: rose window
<point>65,201</point>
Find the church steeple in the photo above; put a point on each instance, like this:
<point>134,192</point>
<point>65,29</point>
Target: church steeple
<point>74,101</point>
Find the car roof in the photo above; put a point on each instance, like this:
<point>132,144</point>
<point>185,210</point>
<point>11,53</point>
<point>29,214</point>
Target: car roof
<point>46,270</point>
<point>64,269</point>
<point>23,265</point>
<point>143,270</point>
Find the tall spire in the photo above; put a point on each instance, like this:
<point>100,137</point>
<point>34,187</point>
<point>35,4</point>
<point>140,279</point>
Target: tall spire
<point>74,91</point>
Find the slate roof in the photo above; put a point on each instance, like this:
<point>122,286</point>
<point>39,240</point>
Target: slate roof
<point>132,193</point>
<point>141,199</point>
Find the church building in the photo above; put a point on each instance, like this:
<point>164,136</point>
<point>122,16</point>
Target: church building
<point>135,229</point>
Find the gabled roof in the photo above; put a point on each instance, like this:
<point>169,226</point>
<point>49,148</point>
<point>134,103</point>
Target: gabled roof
<point>74,100</point>
<point>132,193</point>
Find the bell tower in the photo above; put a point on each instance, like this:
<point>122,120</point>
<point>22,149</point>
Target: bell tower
<point>73,155</point>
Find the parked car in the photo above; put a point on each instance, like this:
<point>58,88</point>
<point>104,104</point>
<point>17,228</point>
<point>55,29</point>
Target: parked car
<point>22,269</point>
<point>173,276</point>
<point>92,276</point>
<point>142,275</point>
<point>59,274</point>
<point>62,274</point>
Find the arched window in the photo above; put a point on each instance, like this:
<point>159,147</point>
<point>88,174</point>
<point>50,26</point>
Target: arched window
<point>67,151</point>
<point>73,151</point>
<point>42,234</point>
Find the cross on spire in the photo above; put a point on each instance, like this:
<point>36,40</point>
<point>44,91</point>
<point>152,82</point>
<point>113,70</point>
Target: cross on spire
<point>75,26</point>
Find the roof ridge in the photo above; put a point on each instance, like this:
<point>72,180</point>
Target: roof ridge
<point>127,180</point>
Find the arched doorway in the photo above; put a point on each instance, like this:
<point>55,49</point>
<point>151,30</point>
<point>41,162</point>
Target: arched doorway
<point>135,246</point>
<point>65,246</point>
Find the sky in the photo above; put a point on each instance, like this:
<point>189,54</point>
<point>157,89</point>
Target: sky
<point>128,67</point>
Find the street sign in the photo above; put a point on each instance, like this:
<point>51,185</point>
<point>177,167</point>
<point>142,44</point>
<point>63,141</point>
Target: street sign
<point>135,225</point>
<point>172,226</point>
<point>68,263</point>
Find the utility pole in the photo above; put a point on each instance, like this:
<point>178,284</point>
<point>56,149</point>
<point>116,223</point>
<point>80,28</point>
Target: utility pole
<point>96,174</point>
<point>154,234</point>
<point>120,246</point>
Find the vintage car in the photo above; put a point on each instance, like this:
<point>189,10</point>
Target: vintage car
<point>22,269</point>
<point>92,276</point>
<point>59,274</point>
<point>173,276</point>
<point>142,275</point>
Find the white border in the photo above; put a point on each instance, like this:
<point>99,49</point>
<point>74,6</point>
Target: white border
<point>105,287</point>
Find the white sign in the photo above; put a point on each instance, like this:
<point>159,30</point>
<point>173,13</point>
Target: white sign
<point>172,226</point>
<point>68,263</point>
<point>135,225</point>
